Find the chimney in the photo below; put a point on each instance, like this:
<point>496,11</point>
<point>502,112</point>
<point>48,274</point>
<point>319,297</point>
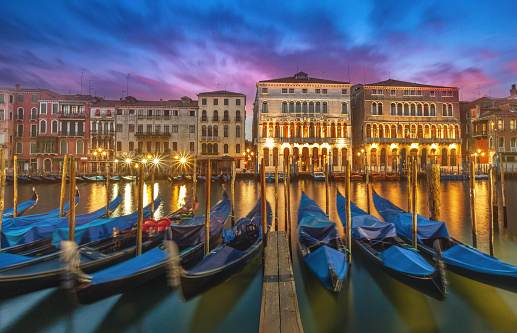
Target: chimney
<point>17,87</point>
<point>513,91</point>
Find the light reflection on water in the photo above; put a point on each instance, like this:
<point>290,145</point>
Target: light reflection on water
<point>370,301</point>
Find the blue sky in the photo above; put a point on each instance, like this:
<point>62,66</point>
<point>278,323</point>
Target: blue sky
<point>177,48</point>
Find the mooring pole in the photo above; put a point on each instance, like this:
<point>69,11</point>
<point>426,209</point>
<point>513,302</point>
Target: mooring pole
<point>15,184</point>
<point>495,202</point>
<point>367,183</point>
<point>107,190</point>
<point>140,218</point>
<point>409,187</point>
<point>348,212</point>
<point>233,192</point>
<point>491,174</point>
<point>208,177</point>
<point>286,161</point>
<point>194,186</point>
<point>288,206</point>
<point>327,191</point>
<point>152,189</point>
<point>472,182</point>
<point>263,199</point>
<point>2,188</point>
<point>413,192</point>
<point>275,225</point>
<point>503,195</point>
<point>433,191</point>
<point>71,201</point>
<point>63,187</point>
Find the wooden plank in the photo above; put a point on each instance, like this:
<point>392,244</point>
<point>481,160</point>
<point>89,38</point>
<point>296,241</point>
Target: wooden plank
<point>270,309</point>
<point>290,315</point>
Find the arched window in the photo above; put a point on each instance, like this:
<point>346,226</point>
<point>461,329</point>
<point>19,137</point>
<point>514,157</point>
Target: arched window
<point>216,116</point>
<point>209,148</point>
<point>444,110</point>
<point>79,147</point>
<point>238,114</point>
<point>203,130</point>
<point>393,131</point>
<point>433,110</point>
<point>392,110</point>
<point>344,108</point>
<point>374,108</point>
<point>413,110</point>
<point>216,130</point>
<point>238,148</point>
<point>226,116</point>
<point>368,130</point>
<point>225,148</point>
<point>419,110</point>
<point>63,147</point>
<point>238,131</point>
<point>215,148</point>
<point>379,109</point>
<point>277,130</point>
<point>264,107</point>
<point>291,107</point>
<point>43,127</point>
<point>209,132</point>
<point>318,107</point>
<point>304,107</point>
<point>298,107</point>
<point>325,109</point>
<point>284,107</point>
<point>203,148</point>
<point>399,109</point>
<point>54,126</point>
<point>450,110</point>
<point>34,113</point>
<point>203,116</point>
<point>225,131</point>
<point>20,114</point>
<point>406,109</point>
<point>264,130</point>
<point>311,107</point>
<point>375,133</point>
<point>426,110</point>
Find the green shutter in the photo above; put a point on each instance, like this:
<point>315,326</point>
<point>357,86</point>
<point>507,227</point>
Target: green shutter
<point>2,100</point>
<point>34,98</point>
<point>43,108</point>
<point>20,98</point>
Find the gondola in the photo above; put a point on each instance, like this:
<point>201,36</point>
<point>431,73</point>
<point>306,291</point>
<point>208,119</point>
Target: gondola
<point>59,179</point>
<point>93,179</point>
<point>49,180</point>
<point>9,181</point>
<point>378,243</point>
<point>22,208</point>
<point>35,273</point>
<point>175,179</point>
<point>458,257</point>
<point>24,180</point>
<point>322,249</point>
<point>37,180</point>
<point>139,270</point>
<point>35,237</point>
<point>127,178</point>
<point>243,243</point>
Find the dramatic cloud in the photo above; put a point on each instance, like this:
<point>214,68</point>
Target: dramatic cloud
<point>176,48</point>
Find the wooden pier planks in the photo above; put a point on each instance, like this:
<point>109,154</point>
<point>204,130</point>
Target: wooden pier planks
<point>279,311</point>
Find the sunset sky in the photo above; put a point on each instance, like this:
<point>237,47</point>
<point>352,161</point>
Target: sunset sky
<point>177,48</point>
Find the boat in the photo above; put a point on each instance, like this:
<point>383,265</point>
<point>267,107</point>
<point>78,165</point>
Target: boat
<point>356,176</point>
<point>318,175</point>
<point>375,176</point>
<point>9,181</point>
<point>270,177</point>
<point>201,179</point>
<point>392,176</point>
<point>379,244</point>
<point>22,208</point>
<point>139,270</point>
<point>37,180</point>
<point>24,180</point>
<point>27,274</point>
<point>175,179</point>
<point>321,247</point>
<point>458,257</point>
<point>339,176</point>
<point>49,180</point>
<point>93,179</point>
<point>242,244</point>
<point>127,178</point>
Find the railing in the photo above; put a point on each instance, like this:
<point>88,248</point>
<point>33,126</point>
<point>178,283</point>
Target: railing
<point>34,134</point>
<point>513,149</point>
<point>300,140</point>
<point>140,116</point>
<point>33,117</point>
<point>413,140</point>
<point>71,115</point>
<point>167,116</point>
<point>71,133</point>
<point>19,134</point>
<point>215,118</point>
<point>226,119</point>
<point>209,138</point>
<point>102,132</point>
<point>212,153</point>
<point>204,118</point>
<point>153,133</point>
<point>238,119</point>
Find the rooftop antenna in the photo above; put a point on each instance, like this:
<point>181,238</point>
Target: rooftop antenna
<point>82,82</point>
<point>127,85</point>
<point>89,87</point>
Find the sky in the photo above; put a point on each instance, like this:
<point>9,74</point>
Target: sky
<point>167,49</point>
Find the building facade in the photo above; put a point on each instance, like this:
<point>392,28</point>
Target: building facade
<point>395,119</point>
<point>304,118</point>
<point>221,123</point>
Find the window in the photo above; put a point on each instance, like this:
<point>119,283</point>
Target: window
<point>304,91</point>
<point>19,147</point>
<point>203,101</point>
<point>140,128</point>
<point>157,129</point>
<point>284,90</point>
<point>132,112</point>
<point>225,148</point>
<point>20,98</point>
<point>158,113</point>
<point>431,93</point>
<point>19,132</point>
<point>54,108</point>
<point>238,148</point>
<point>376,91</point>
<point>264,91</point>
<point>325,110</point>
<point>264,107</point>
<point>131,128</point>
<point>433,110</point>
<point>10,116</point>
<point>34,114</point>
<point>298,107</point>
<point>43,108</point>
<point>80,147</point>
<point>284,107</point>
<point>131,146</point>
<point>54,126</point>
<point>291,107</point>
<point>166,114</point>
<point>447,93</point>
<point>174,129</point>
<point>34,131</point>
<point>149,113</point>
<point>238,131</point>
<point>216,101</point>
<point>500,125</point>
<point>63,147</point>
<point>501,143</point>
<point>2,114</point>
<point>191,146</point>
<point>225,131</point>
<point>512,143</point>
<point>238,101</point>
<point>317,91</point>
<point>344,108</point>
<point>344,91</point>
<point>140,113</point>
<point>2,98</point>
<point>149,128</point>
<point>192,129</point>
<point>192,113</point>
<point>11,99</point>
<point>20,114</point>
<point>119,145</point>
<point>324,91</point>
<point>175,113</point>
<point>34,98</point>
<point>43,127</point>
<point>304,107</point>
<point>166,129</point>
<point>311,107</point>
<point>512,125</point>
<point>119,127</point>
<point>291,90</point>
<point>33,148</point>
<point>174,146</point>
<point>226,101</point>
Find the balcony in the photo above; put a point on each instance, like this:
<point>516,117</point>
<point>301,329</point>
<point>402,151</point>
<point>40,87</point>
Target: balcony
<point>238,119</point>
<point>413,140</point>
<point>71,115</point>
<point>153,134</point>
<point>19,134</point>
<point>33,117</point>
<point>204,118</point>
<point>226,119</point>
<point>102,132</point>
<point>212,153</point>
<point>209,138</point>
<point>140,116</point>
<point>71,133</point>
<point>215,118</point>
<point>33,134</point>
<point>166,116</point>
<point>300,140</point>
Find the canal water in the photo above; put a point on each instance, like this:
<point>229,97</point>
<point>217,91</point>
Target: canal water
<point>370,301</point>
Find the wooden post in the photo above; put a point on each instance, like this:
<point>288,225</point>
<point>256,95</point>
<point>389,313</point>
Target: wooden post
<point>2,187</point>
<point>15,184</point>
<point>263,199</point>
<point>433,191</point>
<point>208,176</point>
<point>275,225</point>
<point>107,190</point>
<point>140,218</point>
<point>491,174</point>
<point>413,192</point>
<point>495,202</point>
<point>367,184</point>
<point>348,212</point>
<point>63,186</point>
<point>153,166</point>
<point>472,202</point>
<point>288,206</point>
<point>409,187</point>
<point>233,192</point>
<point>286,174</point>
<point>327,192</point>
<point>503,195</point>
<point>194,186</point>
<point>71,200</point>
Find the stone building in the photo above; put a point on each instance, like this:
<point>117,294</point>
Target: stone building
<point>221,126</point>
<point>395,119</point>
<point>302,117</point>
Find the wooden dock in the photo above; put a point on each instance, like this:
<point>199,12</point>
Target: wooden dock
<point>279,311</point>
